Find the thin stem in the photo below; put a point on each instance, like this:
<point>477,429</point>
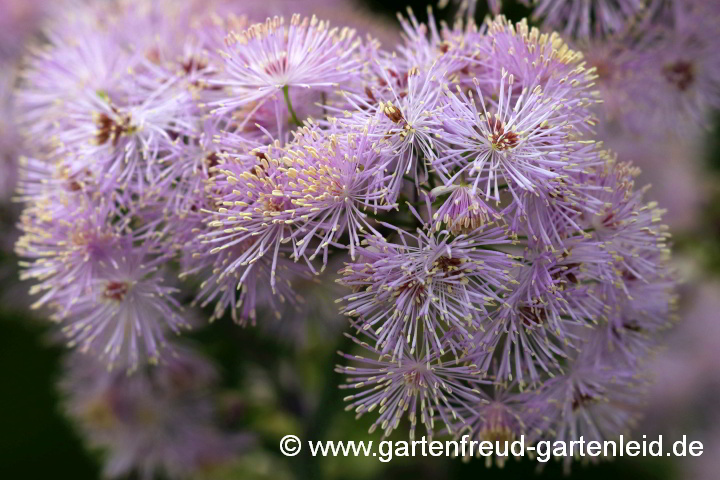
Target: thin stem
<point>412,180</point>
<point>288,102</point>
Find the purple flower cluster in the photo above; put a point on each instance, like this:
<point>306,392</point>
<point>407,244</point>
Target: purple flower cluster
<point>504,277</point>
<point>586,17</point>
<point>161,421</point>
<point>657,63</point>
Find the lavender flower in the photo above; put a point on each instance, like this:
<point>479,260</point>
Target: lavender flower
<point>158,421</point>
<point>534,58</point>
<point>522,145</point>
<point>683,66</point>
<point>334,186</point>
<point>69,249</point>
<point>406,120</point>
<point>502,416</point>
<point>243,288</point>
<point>268,58</point>
<point>553,293</point>
<point>426,44</point>
<point>595,402</point>
<point>507,276</point>
<point>412,383</point>
<point>587,17</point>
<point>630,228</point>
<point>412,291</point>
<point>320,194</point>
<point>124,317</point>
<point>256,212</point>
<point>463,211</point>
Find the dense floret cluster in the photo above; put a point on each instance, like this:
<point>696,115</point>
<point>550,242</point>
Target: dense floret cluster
<point>503,275</point>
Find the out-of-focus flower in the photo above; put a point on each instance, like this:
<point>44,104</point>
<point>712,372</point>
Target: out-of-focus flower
<point>592,402</point>
<point>468,7</point>
<point>126,312</point>
<point>499,417</point>
<point>232,283</point>
<point>679,182</point>
<point>688,356</point>
<point>682,69</point>
<point>270,57</point>
<point>69,249</point>
<point>587,17</point>
<point>9,138</point>
<point>662,78</point>
<point>19,21</point>
<point>159,421</point>
<point>424,45</point>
